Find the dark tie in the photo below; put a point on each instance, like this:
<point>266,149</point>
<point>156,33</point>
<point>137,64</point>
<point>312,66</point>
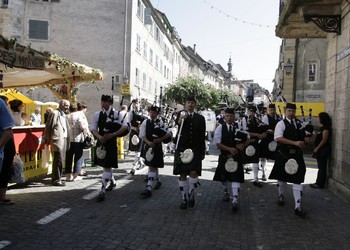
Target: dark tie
<point>230,129</point>
<point>191,116</point>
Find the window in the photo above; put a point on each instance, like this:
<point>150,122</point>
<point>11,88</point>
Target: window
<point>137,77</point>
<point>140,9</point>
<point>144,79</point>
<point>155,86</point>
<point>157,62</point>
<point>145,50</point>
<point>312,72</point>
<point>150,56</point>
<point>150,84</point>
<point>138,43</point>
<point>156,34</point>
<point>161,66</point>
<point>38,29</point>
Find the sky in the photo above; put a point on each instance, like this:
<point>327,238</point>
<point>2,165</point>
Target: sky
<point>242,29</point>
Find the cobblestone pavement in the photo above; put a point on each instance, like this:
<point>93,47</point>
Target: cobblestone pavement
<point>46,217</point>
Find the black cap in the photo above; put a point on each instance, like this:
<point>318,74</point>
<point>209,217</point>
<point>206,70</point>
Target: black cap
<point>107,98</point>
<point>154,108</point>
<point>230,111</point>
<point>135,100</point>
<point>191,98</point>
<point>291,106</point>
<point>272,106</point>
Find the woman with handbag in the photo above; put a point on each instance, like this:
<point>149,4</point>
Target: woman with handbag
<point>79,130</point>
<point>322,148</point>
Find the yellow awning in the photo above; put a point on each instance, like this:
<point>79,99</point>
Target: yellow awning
<point>12,94</point>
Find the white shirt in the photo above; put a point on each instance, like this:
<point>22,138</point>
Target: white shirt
<point>280,128</point>
<point>218,133</point>
<point>36,119</point>
<point>94,123</point>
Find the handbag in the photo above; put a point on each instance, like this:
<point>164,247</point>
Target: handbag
<point>88,142</point>
<point>17,174</point>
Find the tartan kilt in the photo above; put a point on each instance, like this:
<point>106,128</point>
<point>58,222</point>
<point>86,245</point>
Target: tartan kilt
<point>133,147</point>
<point>111,159</point>
<point>251,159</point>
<point>264,148</point>
<point>194,165</point>
<point>222,175</point>
<point>158,158</point>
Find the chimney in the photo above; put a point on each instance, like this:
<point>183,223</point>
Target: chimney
<point>194,48</point>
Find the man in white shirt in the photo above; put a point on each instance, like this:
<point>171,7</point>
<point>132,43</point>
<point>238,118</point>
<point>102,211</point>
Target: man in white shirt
<point>36,117</point>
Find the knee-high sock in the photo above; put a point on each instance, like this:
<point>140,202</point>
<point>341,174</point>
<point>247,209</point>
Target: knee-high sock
<point>263,165</point>
<point>183,185</point>
<point>255,171</point>
<point>106,176</point>
<point>227,186</point>
<point>194,183</point>
<point>235,190</point>
<point>137,157</point>
<point>297,193</point>
<point>281,185</point>
<point>151,177</point>
<point>112,178</point>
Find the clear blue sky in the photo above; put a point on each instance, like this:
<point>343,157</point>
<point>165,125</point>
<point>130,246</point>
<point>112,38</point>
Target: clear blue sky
<point>212,26</point>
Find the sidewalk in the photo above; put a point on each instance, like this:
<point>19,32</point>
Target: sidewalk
<point>125,221</point>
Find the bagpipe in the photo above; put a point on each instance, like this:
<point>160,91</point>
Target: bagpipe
<point>160,130</point>
<point>306,125</point>
<point>113,125</point>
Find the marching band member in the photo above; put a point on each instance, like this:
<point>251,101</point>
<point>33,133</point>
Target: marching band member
<point>104,127</point>
<point>230,167</point>
<point>289,163</point>
<point>190,151</point>
<point>153,148</point>
<point>252,151</point>
<point>135,119</point>
<point>267,146</point>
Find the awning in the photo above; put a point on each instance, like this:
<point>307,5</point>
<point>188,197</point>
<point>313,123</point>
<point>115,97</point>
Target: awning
<point>12,94</point>
<point>21,66</point>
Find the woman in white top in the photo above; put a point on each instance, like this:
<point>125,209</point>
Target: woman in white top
<point>16,107</point>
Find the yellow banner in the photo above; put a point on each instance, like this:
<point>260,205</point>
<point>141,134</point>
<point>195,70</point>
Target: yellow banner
<point>316,108</point>
<point>125,89</point>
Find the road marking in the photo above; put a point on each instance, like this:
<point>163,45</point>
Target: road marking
<point>53,216</point>
<point>91,195</point>
<point>4,243</point>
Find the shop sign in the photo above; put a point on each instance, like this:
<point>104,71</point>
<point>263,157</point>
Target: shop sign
<point>21,60</point>
<point>125,89</point>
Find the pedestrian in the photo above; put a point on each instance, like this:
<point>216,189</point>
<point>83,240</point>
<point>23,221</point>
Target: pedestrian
<point>220,118</point>
<point>289,163</point>
<point>267,145</point>
<point>252,124</point>
<point>79,130</point>
<point>230,170</point>
<point>7,150</point>
<point>322,148</point>
<point>16,107</point>
<point>135,119</point>
<point>47,113</point>
<point>190,151</point>
<point>36,117</point>
<point>153,132</point>
<point>56,135</point>
<point>106,125</point>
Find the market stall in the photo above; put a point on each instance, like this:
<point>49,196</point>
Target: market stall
<point>21,66</point>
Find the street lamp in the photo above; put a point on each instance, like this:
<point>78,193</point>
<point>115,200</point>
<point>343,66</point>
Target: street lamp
<point>288,67</point>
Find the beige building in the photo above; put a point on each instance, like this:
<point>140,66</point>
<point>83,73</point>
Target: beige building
<point>328,19</point>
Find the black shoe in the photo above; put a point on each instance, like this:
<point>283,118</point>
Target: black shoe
<point>314,185</point>
<point>132,172</point>
<point>263,178</point>
<point>207,152</point>
<point>299,212</point>
<point>111,186</point>
<point>157,186</point>
<point>183,204</point>
<point>58,184</point>
<point>235,206</point>
<point>226,196</point>
<point>257,184</point>
<point>191,199</point>
<point>280,201</point>
<point>101,196</point>
<point>147,193</point>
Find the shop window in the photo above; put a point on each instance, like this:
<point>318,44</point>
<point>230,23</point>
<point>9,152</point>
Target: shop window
<point>38,29</point>
<point>138,43</point>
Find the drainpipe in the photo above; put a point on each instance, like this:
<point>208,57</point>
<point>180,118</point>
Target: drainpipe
<point>125,36</point>
<point>295,69</point>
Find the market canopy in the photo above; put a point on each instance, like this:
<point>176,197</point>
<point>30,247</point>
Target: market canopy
<point>21,66</point>
<point>12,94</point>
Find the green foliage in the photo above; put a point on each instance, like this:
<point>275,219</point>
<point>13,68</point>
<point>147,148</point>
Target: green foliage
<point>207,96</point>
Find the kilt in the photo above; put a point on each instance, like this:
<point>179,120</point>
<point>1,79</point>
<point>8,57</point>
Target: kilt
<point>133,147</point>
<point>158,158</point>
<point>111,159</point>
<point>194,165</point>
<point>251,159</point>
<point>278,172</point>
<point>222,175</point>
<point>264,148</point>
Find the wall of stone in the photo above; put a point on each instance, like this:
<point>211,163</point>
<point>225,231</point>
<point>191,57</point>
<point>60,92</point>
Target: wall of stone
<point>337,104</point>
